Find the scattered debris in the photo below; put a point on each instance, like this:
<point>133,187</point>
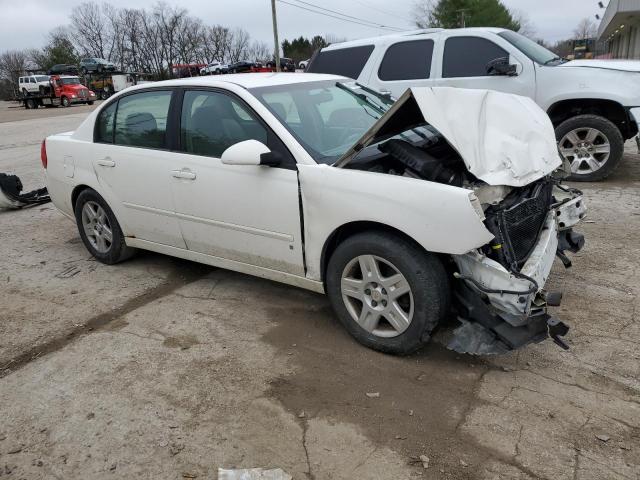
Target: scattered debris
<point>253,474</point>
<point>411,413</point>
<point>463,463</point>
<point>603,438</point>
<point>425,461</point>
<point>373,394</point>
<point>10,196</point>
<point>91,416</point>
<point>301,414</point>
<point>112,467</point>
<point>400,437</point>
<point>189,475</point>
<point>175,448</point>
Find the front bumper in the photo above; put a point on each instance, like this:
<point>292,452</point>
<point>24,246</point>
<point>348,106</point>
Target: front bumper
<point>512,307</point>
<point>88,98</point>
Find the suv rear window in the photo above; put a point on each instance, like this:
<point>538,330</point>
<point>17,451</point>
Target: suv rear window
<point>468,56</point>
<point>346,62</point>
<point>407,61</point>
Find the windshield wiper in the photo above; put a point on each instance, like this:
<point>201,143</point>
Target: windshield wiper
<point>555,59</point>
<point>362,96</point>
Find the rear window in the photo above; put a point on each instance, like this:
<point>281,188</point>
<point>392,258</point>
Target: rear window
<point>407,61</point>
<point>346,62</point>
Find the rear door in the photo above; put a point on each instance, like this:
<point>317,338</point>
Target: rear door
<point>133,165</point>
<point>244,213</point>
<point>404,64</point>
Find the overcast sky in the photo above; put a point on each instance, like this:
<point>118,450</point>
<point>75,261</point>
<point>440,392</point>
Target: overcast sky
<point>25,23</point>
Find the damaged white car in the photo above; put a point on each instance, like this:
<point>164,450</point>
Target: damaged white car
<point>445,205</point>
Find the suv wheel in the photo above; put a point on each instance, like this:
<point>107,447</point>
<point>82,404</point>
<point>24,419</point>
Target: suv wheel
<point>99,229</point>
<point>593,146</point>
<point>387,292</point>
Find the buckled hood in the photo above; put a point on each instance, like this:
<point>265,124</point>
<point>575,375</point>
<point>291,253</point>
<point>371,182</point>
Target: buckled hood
<point>503,139</point>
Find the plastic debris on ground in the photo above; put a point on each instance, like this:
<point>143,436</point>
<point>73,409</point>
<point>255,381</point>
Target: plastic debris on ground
<point>253,474</point>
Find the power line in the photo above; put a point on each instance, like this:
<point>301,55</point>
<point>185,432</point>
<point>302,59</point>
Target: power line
<point>386,12</point>
<point>344,14</point>
<point>358,21</point>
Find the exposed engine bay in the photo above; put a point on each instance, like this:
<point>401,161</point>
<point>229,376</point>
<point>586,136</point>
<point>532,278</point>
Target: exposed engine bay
<point>500,302</point>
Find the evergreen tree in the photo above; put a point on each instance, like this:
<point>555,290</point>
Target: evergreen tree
<point>468,13</point>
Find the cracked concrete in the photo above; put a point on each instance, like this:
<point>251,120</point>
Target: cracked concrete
<point>158,367</point>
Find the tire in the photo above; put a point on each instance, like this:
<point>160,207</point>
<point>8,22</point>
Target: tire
<point>583,141</point>
<point>41,89</point>
<point>424,306</point>
<point>90,103</point>
<point>64,101</point>
<point>104,251</point>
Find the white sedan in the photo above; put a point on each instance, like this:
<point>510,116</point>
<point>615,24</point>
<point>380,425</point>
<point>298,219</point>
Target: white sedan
<point>446,204</point>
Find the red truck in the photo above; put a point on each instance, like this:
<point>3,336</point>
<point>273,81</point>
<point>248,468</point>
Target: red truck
<point>63,90</point>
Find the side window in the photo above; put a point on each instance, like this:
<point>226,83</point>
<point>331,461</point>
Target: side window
<point>468,56</point>
<point>103,132</point>
<point>211,122</point>
<point>347,62</point>
<point>141,120</point>
<point>32,80</point>
<point>407,61</point>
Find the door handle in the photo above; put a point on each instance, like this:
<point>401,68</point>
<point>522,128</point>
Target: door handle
<point>106,162</point>
<point>184,173</point>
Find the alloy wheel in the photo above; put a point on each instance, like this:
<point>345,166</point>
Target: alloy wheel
<point>587,149</point>
<point>377,296</point>
<point>97,227</point>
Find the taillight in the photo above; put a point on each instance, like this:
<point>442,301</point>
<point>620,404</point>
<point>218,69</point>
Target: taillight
<point>43,153</point>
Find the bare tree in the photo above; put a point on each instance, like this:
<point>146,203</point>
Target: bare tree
<point>260,51</point>
<point>238,45</point>
<point>92,30</point>
<point>13,63</point>
<point>586,29</point>
<point>422,13</point>
<point>527,28</point>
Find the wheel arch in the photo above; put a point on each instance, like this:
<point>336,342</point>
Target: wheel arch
<point>346,230</point>
<point>611,110</point>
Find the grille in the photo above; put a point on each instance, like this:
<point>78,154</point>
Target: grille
<point>83,93</point>
<point>517,228</point>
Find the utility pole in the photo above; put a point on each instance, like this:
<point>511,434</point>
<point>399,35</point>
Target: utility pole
<point>463,23</point>
<point>276,51</point>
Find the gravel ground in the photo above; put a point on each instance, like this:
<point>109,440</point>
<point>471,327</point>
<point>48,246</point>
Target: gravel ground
<point>162,368</point>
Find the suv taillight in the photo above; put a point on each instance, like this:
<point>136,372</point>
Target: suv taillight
<point>43,153</point>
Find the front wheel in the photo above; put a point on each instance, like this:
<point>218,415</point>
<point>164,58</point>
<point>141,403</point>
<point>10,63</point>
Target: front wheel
<point>387,292</point>
<point>65,102</point>
<point>99,229</point>
<point>593,146</point>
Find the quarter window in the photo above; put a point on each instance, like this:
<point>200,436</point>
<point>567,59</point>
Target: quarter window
<point>407,61</point>
<point>347,62</point>
<point>141,120</point>
<point>469,56</point>
<point>211,122</point>
<point>104,124</point>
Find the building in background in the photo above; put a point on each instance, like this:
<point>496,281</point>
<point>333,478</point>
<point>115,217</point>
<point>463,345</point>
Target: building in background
<point>620,29</point>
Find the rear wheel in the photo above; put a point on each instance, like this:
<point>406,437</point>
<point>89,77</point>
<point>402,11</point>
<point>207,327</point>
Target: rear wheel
<point>99,229</point>
<point>387,292</point>
<point>593,146</point>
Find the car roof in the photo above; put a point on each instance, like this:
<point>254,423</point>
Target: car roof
<point>404,35</point>
<point>248,80</point>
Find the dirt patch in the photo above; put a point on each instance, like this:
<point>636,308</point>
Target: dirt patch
<point>178,277</point>
<point>183,342</point>
<point>414,405</point>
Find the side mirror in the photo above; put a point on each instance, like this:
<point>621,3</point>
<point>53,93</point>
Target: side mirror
<point>501,67</point>
<point>250,152</point>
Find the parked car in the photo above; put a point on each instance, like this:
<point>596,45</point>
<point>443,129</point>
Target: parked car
<point>33,84</point>
<point>241,67</point>
<point>303,64</point>
<point>69,90</point>
<point>286,64</point>
<point>215,68</point>
<point>446,203</point>
<point>593,104</point>
<point>63,69</point>
<point>98,65</point>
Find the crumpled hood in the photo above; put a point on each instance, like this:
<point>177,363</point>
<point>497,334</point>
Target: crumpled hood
<point>503,139</point>
<point>620,65</point>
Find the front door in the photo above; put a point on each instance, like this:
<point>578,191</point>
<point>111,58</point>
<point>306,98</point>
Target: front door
<point>245,213</point>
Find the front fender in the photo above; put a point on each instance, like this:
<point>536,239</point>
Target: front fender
<point>439,217</point>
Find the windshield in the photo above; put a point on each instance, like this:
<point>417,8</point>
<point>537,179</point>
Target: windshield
<point>326,117</point>
<point>70,81</point>
<point>531,49</point>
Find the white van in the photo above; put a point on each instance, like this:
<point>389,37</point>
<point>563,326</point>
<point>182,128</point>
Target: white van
<point>33,84</point>
<point>594,105</point>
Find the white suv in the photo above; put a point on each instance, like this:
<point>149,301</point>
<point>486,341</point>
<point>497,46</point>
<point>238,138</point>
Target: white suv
<point>594,105</point>
<point>214,68</point>
<point>33,84</point>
